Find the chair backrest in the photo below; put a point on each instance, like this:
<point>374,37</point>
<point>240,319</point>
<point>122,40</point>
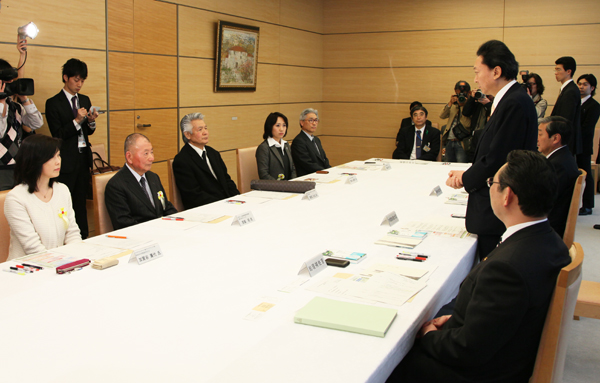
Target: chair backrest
<point>4,229</point>
<point>569,235</point>
<point>101,218</point>
<point>174,195</point>
<point>550,361</point>
<point>101,150</point>
<point>246,168</point>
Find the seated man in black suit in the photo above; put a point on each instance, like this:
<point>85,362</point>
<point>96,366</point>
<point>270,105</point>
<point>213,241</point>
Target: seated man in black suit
<point>408,121</point>
<point>553,136</point>
<point>135,194</point>
<point>494,331</point>
<point>307,152</point>
<point>200,173</point>
<point>418,141</point>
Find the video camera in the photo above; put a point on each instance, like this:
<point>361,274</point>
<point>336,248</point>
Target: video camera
<point>525,76</point>
<point>22,86</point>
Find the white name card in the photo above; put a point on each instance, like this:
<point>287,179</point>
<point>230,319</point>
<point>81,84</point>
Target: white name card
<point>314,265</point>
<point>352,180</point>
<point>243,219</point>
<point>386,166</point>
<point>436,192</point>
<point>147,253</point>
<point>311,194</point>
<point>390,219</point>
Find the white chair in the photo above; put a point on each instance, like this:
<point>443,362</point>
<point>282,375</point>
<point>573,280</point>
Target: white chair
<point>246,168</point>
<point>101,218</point>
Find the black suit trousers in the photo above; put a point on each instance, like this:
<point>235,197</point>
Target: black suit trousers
<point>78,181</point>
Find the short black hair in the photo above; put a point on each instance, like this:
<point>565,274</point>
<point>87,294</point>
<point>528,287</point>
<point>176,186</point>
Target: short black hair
<point>419,107</point>
<point>413,104</point>
<point>271,121</point>
<point>534,181</point>
<point>74,67</point>
<point>558,125</point>
<point>568,63</point>
<point>34,152</point>
<point>538,82</point>
<point>591,79</point>
<point>4,64</point>
<point>464,84</point>
<point>495,53</point>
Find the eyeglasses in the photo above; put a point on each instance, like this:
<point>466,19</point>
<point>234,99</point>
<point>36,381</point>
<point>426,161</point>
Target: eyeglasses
<point>490,181</point>
<point>313,120</point>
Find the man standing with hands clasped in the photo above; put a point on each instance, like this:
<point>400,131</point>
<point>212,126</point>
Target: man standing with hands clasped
<point>512,125</point>
<point>70,119</point>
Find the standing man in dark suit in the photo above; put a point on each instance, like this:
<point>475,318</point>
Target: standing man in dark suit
<point>418,141</point>
<point>512,125</point>
<point>590,112</point>
<point>494,331</point>
<point>135,194</point>
<point>70,119</point>
<point>568,103</point>
<point>307,152</point>
<point>200,173</point>
<point>553,135</point>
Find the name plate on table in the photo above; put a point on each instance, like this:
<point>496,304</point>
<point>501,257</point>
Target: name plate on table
<point>436,192</point>
<point>390,219</point>
<point>243,219</point>
<point>147,253</point>
<point>311,194</point>
<point>314,265</point>
<point>352,180</point>
<point>386,166</point>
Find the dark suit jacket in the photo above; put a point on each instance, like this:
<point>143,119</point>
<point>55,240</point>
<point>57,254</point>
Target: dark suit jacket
<point>196,183</point>
<point>128,204</point>
<point>270,161</point>
<point>566,169</point>
<point>59,114</point>
<point>513,125</point>
<point>568,105</point>
<point>495,329</point>
<point>306,157</point>
<point>406,122</point>
<point>406,141</point>
<point>590,112</point>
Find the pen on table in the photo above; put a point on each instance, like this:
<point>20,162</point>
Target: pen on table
<point>20,270</point>
<point>116,236</point>
<point>25,268</point>
<point>13,271</point>
<point>414,254</point>
<point>235,201</point>
<point>34,266</point>
<point>349,174</point>
<point>409,258</point>
<point>173,219</point>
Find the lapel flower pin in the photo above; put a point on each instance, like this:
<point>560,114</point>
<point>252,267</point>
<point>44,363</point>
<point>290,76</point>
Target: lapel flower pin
<point>62,214</point>
<point>161,198</point>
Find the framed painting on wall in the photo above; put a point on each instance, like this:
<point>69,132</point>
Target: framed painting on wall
<point>237,57</point>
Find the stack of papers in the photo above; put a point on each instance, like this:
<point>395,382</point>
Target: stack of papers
<point>402,238</point>
<point>458,199</point>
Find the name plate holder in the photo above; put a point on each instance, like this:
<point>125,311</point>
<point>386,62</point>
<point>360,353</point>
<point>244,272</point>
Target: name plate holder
<point>436,192</point>
<point>314,265</point>
<point>352,180</point>
<point>390,219</point>
<point>146,254</point>
<point>243,219</point>
<point>311,194</point>
<point>386,166</point>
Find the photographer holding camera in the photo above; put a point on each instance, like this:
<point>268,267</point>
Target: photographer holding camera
<point>458,126</point>
<point>532,82</point>
<point>478,108</point>
<point>15,118</point>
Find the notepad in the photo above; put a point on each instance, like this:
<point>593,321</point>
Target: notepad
<point>345,316</point>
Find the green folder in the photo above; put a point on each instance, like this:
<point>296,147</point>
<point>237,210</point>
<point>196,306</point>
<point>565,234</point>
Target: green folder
<point>345,316</point>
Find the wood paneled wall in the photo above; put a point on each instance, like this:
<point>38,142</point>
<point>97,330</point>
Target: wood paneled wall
<point>381,55</point>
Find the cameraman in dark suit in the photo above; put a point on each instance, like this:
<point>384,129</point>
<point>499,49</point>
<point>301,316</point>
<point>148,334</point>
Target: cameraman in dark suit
<point>418,141</point>
<point>135,194</point>
<point>70,119</point>
<point>200,173</point>
<point>512,125</point>
<point>568,103</point>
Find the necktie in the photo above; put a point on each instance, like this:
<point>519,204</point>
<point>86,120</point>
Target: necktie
<point>418,143</point>
<point>74,101</point>
<point>143,183</point>
<point>204,156</point>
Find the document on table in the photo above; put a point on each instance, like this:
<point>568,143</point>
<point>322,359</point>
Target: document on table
<point>322,178</point>
<point>66,254</point>
<point>410,272</point>
<point>195,216</point>
<point>383,287</point>
<point>398,241</point>
<point>455,231</point>
<point>458,199</point>
<point>118,243</point>
<point>270,194</point>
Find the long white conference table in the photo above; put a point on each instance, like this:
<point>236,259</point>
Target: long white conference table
<point>188,316</point>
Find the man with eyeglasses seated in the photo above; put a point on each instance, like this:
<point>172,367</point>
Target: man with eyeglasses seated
<point>553,136</point>
<point>495,328</point>
<point>418,141</point>
<point>307,152</point>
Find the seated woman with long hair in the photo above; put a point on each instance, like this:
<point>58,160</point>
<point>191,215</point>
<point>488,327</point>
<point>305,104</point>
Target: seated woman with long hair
<point>273,155</point>
<point>38,209</point>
